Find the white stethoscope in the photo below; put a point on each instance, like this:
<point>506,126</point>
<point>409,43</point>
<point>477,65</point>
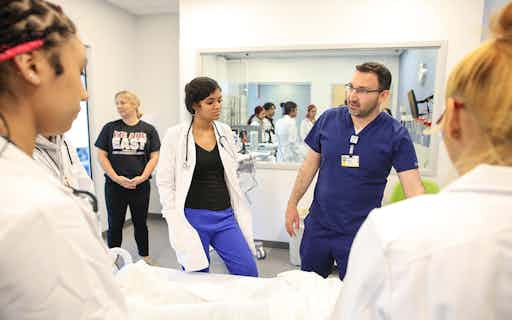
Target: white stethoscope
<point>231,153</point>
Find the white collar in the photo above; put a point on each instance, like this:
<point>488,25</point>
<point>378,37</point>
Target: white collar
<point>46,144</point>
<point>19,159</point>
<point>13,152</point>
<point>484,178</point>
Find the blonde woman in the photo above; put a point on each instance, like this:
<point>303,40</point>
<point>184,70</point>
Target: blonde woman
<point>128,151</point>
<point>449,256</point>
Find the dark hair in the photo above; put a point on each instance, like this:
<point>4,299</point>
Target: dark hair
<point>22,21</point>
<point>383,74</point>
<point>199,89</point>
<point>310,107</point>
<point>268,106</point>
<point>288,106</point>
<point>257,111</point>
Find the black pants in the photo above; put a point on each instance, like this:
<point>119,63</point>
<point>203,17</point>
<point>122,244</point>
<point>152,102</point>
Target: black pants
<point>118,199</point>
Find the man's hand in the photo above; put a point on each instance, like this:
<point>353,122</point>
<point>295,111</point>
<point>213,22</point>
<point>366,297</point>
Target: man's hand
<point>292,220</point>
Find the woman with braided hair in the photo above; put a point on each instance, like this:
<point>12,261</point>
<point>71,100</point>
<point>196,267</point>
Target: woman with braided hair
<point>54,264</point>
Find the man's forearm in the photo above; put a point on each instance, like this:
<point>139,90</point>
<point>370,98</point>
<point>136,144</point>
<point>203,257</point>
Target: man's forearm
<point>304,177</point>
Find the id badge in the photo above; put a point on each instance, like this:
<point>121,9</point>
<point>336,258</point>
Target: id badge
<point>350,161</point>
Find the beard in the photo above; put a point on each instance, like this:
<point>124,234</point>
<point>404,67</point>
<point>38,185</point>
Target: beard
<point>360,112</point>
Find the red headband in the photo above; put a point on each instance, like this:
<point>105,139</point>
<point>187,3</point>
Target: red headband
<point>21,48</point>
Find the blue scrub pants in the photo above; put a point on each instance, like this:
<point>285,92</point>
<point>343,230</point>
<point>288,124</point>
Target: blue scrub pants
<point>221,230</point>
<point>321,246</point>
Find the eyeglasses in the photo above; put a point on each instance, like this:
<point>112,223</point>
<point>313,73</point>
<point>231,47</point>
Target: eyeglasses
<point>361,90</point>
<point>439,122</point>
<point>456,104</point>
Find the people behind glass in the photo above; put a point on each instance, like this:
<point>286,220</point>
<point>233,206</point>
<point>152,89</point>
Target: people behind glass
<point>128,151</point>
<point>308,121</point>
<point>269,128</point>
<point>257,117</point>
<point>287,134</point>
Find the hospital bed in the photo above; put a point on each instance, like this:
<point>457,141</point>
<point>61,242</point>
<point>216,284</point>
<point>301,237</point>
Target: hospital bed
<point>163,293</point>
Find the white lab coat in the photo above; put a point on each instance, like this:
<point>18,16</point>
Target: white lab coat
<point>173,179</point>
<point>54,264</point>
<point>288,141</point>
<point>445,256</point>
<point>305,126</point>
<point>255,122</point>
<point>59,157</point>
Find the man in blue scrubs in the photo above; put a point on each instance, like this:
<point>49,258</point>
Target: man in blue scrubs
<point>353,149</point>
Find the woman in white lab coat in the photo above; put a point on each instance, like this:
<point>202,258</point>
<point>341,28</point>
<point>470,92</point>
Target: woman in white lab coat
<point>57,155</point>
<point>256,119</point>
<point>287,136</point>
<point>307,124</point>
<point>449,256</point>
<point>54,264</point>
<point>199,189</point>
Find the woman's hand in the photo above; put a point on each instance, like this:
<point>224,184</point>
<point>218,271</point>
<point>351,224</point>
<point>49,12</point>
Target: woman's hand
<point>125,182</point>
<point>138,180</point>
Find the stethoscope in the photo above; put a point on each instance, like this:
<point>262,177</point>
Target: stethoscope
<point>186,164</point>
<point>91,197</point>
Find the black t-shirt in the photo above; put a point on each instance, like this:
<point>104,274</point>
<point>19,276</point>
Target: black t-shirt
<point>208,189</point>
<point>128,147</point>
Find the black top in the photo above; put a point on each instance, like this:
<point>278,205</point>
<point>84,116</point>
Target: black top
<point>129,147</point>
<point>208,189</point>
<point>271,120</point>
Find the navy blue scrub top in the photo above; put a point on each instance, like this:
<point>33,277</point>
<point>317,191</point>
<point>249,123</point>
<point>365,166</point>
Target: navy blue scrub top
<point>344,196</point>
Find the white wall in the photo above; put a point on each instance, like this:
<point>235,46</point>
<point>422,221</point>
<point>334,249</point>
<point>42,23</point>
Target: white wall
<point>222,24</point>
<point>110,33</point>
<point>156,76</point>
<point>491,7</point>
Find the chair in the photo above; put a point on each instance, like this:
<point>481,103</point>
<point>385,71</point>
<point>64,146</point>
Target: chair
<point>399,195</point>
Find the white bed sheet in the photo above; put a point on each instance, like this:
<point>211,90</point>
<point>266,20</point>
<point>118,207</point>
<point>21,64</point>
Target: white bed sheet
<point>159,293</point>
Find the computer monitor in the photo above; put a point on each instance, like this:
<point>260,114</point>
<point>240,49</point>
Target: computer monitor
<point>413,104</point>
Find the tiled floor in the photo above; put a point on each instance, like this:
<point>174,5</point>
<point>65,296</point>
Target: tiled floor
<point>277,260</point>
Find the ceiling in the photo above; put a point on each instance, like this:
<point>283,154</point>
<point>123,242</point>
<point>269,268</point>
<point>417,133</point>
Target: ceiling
<point>144,7</point>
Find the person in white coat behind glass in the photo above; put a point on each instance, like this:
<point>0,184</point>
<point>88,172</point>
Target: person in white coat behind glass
<point>307,124</point>
<point>449,256</point>
<point>288,149</point>
<point>54,263</point>
<point>199,189</point>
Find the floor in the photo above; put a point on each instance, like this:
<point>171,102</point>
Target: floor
<point>276,261</point>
